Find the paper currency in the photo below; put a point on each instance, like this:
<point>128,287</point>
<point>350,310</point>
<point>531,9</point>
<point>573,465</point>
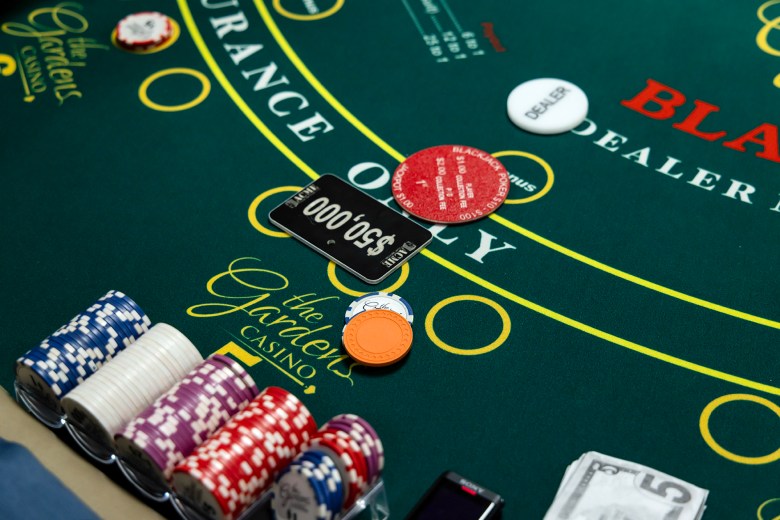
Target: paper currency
<point>600,487</point>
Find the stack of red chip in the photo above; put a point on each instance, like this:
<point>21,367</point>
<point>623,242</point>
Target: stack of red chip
<point>355,447</point>
<point>143,31</point>
<point>230,471</point>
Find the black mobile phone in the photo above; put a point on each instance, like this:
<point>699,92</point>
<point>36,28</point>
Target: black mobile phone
<point>452,497</point>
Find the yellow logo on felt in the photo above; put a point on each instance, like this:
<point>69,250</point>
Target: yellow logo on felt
<point>54,50</point>
<point>770,25</point>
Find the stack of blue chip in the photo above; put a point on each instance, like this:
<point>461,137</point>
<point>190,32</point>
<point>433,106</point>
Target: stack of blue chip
<point>311,487</point>
<point>80,347</point>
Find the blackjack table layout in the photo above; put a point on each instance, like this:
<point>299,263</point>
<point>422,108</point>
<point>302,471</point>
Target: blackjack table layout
<point>624,299</point>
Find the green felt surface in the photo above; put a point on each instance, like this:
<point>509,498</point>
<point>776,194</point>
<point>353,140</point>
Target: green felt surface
<point>631,299</point>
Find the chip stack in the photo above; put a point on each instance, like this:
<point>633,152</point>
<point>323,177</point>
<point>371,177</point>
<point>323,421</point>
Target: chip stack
<point>378,329</point>
<point>310,488</point>
<point>355,449</point>
<point>169,430</point>
<point>228,472</point>
<point>124,387</point>
<point>79,348</point>
<point>144,31</point>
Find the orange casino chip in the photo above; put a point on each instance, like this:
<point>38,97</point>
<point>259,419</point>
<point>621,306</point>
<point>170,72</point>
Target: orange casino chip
<point>378,338</point>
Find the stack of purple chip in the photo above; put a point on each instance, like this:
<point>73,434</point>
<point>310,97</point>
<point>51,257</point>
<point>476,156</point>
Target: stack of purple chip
<point>184,417</point>
<point>366,437</point>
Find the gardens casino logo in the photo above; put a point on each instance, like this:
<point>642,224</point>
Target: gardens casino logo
<point>50,50</point>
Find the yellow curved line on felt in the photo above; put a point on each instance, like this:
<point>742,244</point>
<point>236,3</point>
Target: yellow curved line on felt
<point>346,114</point>
<point>195,34</point>
<point>635,279</point>
<point>606,336</point>
<point>189,21</point>
<point>319,87</point>
<point>760,511</point>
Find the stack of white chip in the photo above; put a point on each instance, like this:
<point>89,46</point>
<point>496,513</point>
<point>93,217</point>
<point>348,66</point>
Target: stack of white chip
<point>128,384</point>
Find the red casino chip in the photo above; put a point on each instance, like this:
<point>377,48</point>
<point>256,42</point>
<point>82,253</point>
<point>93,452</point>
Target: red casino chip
<point>230,470</point>
<point>450,184</point>
<point>144,30</point>
<point>348,460</point>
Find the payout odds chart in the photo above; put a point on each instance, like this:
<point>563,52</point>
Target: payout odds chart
<point>623,299</point>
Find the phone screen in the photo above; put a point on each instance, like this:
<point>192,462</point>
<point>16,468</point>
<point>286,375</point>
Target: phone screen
<point>449,501</point>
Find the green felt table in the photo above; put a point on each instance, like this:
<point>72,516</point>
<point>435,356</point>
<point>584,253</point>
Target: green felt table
<point>624,299</point>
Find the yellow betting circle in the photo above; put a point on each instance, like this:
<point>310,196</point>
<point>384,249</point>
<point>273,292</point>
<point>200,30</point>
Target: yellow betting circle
<point>346,290</point>
<point>506,325</point>
<point>205,90</point>
<point>307,17</point>
<point>776,81</point>
<point>541,162</point>
<point>175,33</point>
<point>252,213</point>
<point>760,512</point>
<point>704,426</point>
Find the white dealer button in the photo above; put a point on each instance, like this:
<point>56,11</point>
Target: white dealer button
<point>547,106</point>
